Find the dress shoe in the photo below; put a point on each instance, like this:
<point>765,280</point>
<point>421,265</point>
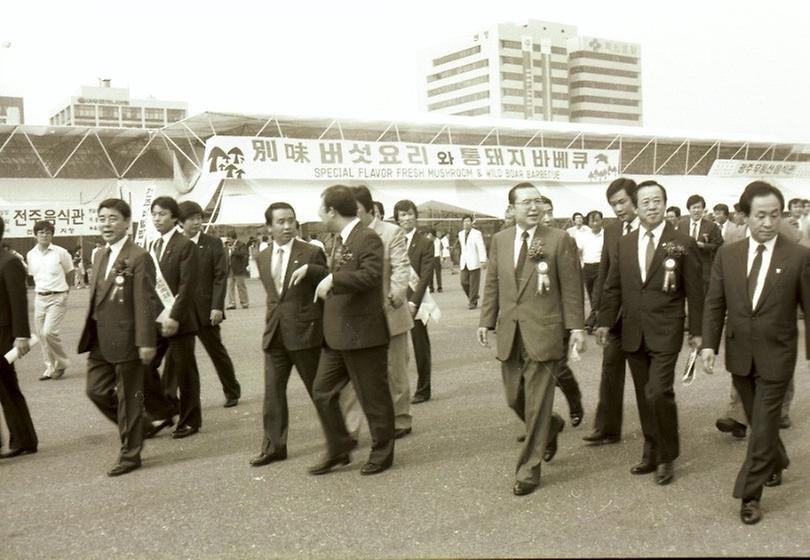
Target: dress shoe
<point>19,451</point>
<point>440,290</point>
<point>551,446</point>
<point>731,426</point>
<point>230,307</point>
<point>245,306</point>
<point>120,469</point>
<point>184,431</point>
<point>373,468</point>
<point>401,433</point>
<point>750,512</point>
<point>774,480</point>
<point>576,417</point>
<point>643,468</point>
<point>598,437</point>
<point>231,402</point>
<point>523,488</point>
<point>267,458</point>
<point>472,306</point>
<point>57,373</point>
<point>664,473</point>
<point>785,422</point>
<point>45,376</point>
<point>154,429</point>
<point>329,464</point>
<point>521,438</point>
<point>419,399</point>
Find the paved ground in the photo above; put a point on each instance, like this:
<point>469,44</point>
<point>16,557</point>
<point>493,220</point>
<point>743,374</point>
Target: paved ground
<point>448,495</point>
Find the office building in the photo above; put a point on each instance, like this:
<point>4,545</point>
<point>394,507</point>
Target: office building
<point>11,110</point>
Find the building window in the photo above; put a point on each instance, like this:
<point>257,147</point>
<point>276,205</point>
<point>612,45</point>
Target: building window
<point>174,115</point>
<point>603,71</point>
<point>511,60</point>
<point>603,85</point>
<point>132,113</point>
<point>512,76</point>
<point>514,108</point>
<point>605,100</point>
<point>473,112</point>
<point>512,91</point>
<point>458,85</point>
<point>605,115</point>
<point>153,114</point>
<point>458,70</point>
<point>459,100</point>
<point>554,50</point>
<point>457,55</point>
<point>108,112</point>
<point>604,56</point>
<point>510,44</point>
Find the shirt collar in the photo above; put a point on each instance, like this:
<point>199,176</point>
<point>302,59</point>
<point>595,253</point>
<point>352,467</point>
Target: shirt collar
<point>634,225</point>
<point>196,238</point>
<point>656,231</point>
<point>409,236</point>
<point>344,233</point>
<point>118,245</point>
<point>48,248</point>
<point>168,235</point>
<point>287,247</point>
<point>519,232</point>
<point>769,245</point>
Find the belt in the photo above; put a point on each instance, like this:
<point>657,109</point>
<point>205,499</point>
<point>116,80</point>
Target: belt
<point>49,293</point>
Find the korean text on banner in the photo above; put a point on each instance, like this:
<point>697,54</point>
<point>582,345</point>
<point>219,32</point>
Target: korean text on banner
<point>68,219</point>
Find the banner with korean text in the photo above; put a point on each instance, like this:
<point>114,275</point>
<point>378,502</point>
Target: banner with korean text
<point>234,157</point>
<point>67,218</point>
<point>756,168</point>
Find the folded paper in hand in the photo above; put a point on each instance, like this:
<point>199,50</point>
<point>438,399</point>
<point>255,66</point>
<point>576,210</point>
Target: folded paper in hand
<point>689,371</point>
<point>12,355</point>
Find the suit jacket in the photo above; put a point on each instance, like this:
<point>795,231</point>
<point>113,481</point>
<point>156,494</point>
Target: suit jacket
<point>353,316</point>
<point>396,273</point>
<point>239,255</point>
<point>13,302</point>
<point>473,251</point>
<point>420,255</point>
<point>734,233</point>
<point>178,264</point>
<point>293,312</point>
<point>124,316</point>
<point>648,313</point>
<point>510,301</point>
<point>765,336</point>
<point>709,234</point>
<point>212,279</point>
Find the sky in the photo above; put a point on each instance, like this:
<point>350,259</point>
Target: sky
<point>712,67</point>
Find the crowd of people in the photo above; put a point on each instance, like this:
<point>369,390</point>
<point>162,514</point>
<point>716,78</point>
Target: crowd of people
<point>341,316</point>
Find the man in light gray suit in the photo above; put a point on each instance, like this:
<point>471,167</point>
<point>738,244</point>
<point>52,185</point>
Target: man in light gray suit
<point>396,272</point>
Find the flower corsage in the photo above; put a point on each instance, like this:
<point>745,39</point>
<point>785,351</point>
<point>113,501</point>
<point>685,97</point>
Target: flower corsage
<point>537,255</point>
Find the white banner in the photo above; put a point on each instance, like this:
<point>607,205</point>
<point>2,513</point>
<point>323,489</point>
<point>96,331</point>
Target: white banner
<point>234,157</point>
<point>68,219</point>
<point>145,221</point>
<point>748,168</point>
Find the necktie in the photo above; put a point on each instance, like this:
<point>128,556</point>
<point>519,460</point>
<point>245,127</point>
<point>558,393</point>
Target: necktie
<point>105,262</point>
<point>524,251</point>
<point>648,258</point>
<point>694,230</point>
<point>753,276</point>
<point>337,252</point>
<point>627,228</point>
<point>158,247</point>
<point>277,277</point>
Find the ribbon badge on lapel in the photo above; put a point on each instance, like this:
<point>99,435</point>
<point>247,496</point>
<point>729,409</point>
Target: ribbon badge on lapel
<point>537,255</point>
<point>673,252</point>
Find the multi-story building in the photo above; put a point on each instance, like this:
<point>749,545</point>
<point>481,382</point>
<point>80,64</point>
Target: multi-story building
<point>11,110</point>
<point>112,106</point>
<point>538,70</point>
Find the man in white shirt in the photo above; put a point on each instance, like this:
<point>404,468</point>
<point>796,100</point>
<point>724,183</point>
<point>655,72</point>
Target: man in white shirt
<point>52,269</point>
<point>590,246</point>
<point>473,255</point>
<point>721,212</point>
<point>437,261</point>
<point>578,228</point>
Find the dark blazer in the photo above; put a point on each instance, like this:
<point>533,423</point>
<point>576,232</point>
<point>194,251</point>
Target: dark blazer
<point>239,256</point>
<point>13,302</point>
<point>610,251</point>
<point>709,234</point>
<point>420,253</point>
<point>648,313</point>
<point>353,315</point>
<point>178,263</point>
<point>765,337</point>
<point>125,316</point>
<point>299,318</point>
<point>212,279</point>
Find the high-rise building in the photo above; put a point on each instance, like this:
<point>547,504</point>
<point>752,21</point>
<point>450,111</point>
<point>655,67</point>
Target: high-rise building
<point>11,110</point>
<point>112,106</point>
<point>538,70</point>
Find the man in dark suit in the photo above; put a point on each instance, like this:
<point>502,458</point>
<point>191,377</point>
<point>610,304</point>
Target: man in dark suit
<point>209,297</point>
<point>533,292</point>
<point>14,333</point>
<point>356,336</point>
<point>656,270</point>
<point>705,233</point>
<point>758,284</point>
<point>293,332</point>
<point>119,330</point>
<point>608,422</point>
<point>420,254</point>
<point>238,257</point>
<point>176,281</point>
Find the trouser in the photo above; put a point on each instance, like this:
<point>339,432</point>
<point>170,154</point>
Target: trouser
<point>117,391</point>
<point>736,412</point>
<point>211,338</point>
<point>437,271</point>
<point>566,381</point>
<point>365,368</point>
<point>589,273</point>
<point>422,355</point>
<point>22,434</point>
<point>611,387</point>
<point>179,374</point>
<point>762,401</point>
<point>654,376</point>
<point>237,282</point>
<point>49,312</point>
<point>529,388</point>
<point>397,382</point>
<point>470,281</point>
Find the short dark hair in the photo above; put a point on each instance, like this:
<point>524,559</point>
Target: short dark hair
<point>432,232</point>
<point>574,216</point>
<point>795,201</point>
<point>621,184</point>
<point>524,185</point>
<point>759,188</point>
<point>341,199</point>
<point>363,196</point>
<point>649,183</point>
<point>675,210</point>
<point>695,199</point>
<point>403,206</point>
<point>43,225</point>
<point>721,208</point>
<point>120,206</point>
<point>268,214</point>
<point>313,236</point>
<point>167,203</point>
<point>737,207</point>
<point>547,201</point>
<point>232,234</point>
<point>467,217</point>
<point>595,213</point>
<point>379,206</point>
<point>189,208</point>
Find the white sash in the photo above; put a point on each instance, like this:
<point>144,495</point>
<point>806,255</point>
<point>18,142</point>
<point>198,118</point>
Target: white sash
<point>164,292</point>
